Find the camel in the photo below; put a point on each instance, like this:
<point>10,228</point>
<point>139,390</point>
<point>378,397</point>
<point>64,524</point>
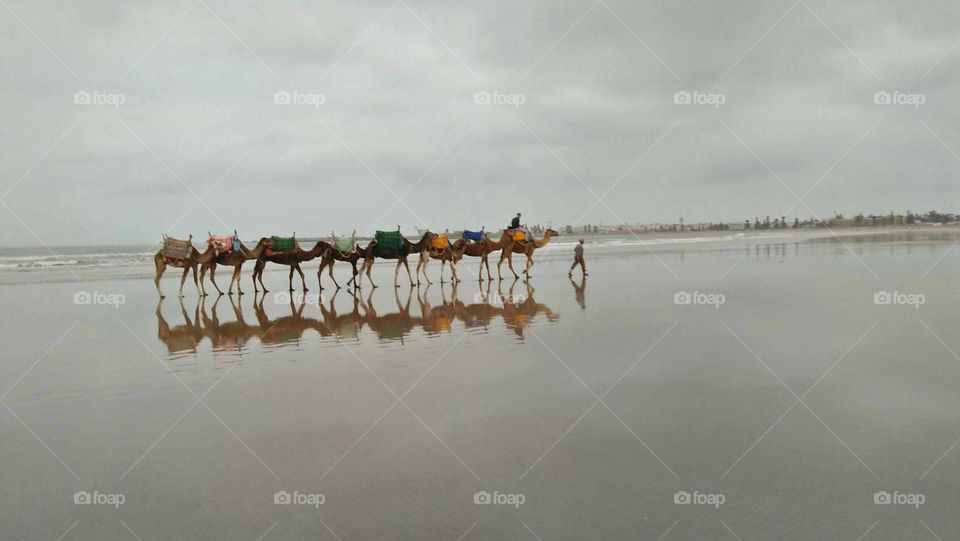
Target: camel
<point>336,255</point>
<point>452,253</point>
<point>406,248</point>
<point>292,259</point>
<point>161,262</point>
<point>367,255</point>
<point>235,258</point>
<point>525,247</point>
<point>484,248</point>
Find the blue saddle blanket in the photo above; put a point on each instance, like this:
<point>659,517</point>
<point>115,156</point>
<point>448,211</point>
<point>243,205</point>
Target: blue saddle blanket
<point>475,236</point>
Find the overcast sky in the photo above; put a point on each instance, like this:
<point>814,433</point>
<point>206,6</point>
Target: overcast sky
<point>789,122</point>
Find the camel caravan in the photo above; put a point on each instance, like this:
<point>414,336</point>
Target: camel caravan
<point>229,251</point>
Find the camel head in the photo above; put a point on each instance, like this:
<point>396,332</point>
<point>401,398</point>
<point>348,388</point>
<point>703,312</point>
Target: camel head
<point>550,232</point>
<point>265,241</point>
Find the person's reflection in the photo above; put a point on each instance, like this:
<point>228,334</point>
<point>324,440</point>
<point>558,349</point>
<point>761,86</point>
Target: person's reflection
<point>580,292</point>
<point>182,338</point>
<point>518,312</point>
<point>479,313</point>
<point>392,326</point>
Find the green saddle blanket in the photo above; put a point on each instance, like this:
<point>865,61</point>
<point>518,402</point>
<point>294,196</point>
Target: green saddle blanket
<point>388,241</point>
<point>344,245</point>
<point>176,248</point>
<point>284,244</point>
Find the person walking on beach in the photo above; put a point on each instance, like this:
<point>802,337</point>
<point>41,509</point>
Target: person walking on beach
<point>578,259</point>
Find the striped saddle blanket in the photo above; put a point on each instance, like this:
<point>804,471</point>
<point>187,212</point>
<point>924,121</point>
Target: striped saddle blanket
<point>475,236</point>
<point>344,245</point>
<point>441,242</point>
<point>176,248</point>
<point>388,242</point>
<point>283,244</point>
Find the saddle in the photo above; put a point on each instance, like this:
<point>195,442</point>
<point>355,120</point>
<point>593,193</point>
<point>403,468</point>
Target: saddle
<point>283,244</point>
<point>475,236</point>
<point>344,245</point>
<point>519,235</point>
<point>176,248</point>
<point>388,242</point>
<point>222,245</point>
<point>440,243</point>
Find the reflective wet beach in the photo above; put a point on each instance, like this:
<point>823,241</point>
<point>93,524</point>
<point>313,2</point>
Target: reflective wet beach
<point>796,398</point>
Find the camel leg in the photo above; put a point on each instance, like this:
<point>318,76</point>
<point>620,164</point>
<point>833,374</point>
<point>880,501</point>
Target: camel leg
<point>330,271</point>
<point>183,279</point>
<point>486,263</point>
<point>443,265</point>
<point>409,277</point>
<point>370,278</point>
<point>510,264</point>
<point>425,277</point>
<point>213,269</point>
<point>236,278</point>
<point>319,272</point>
<point>161,266</point>
<point>396,272</point>
<point>453,270</point>
<point>354,277</point>
<point>291,278</point>
<point>303,281</point>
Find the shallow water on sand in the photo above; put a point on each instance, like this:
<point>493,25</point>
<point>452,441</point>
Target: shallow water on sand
<point>781,388</point>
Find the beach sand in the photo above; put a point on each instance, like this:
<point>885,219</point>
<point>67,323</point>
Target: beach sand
<point>782,389</point>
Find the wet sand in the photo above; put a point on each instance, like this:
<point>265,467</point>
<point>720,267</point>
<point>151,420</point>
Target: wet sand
<point>597,401</point>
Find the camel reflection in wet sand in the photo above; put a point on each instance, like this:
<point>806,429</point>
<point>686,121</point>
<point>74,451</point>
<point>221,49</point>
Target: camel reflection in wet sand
<point>516,310</point>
